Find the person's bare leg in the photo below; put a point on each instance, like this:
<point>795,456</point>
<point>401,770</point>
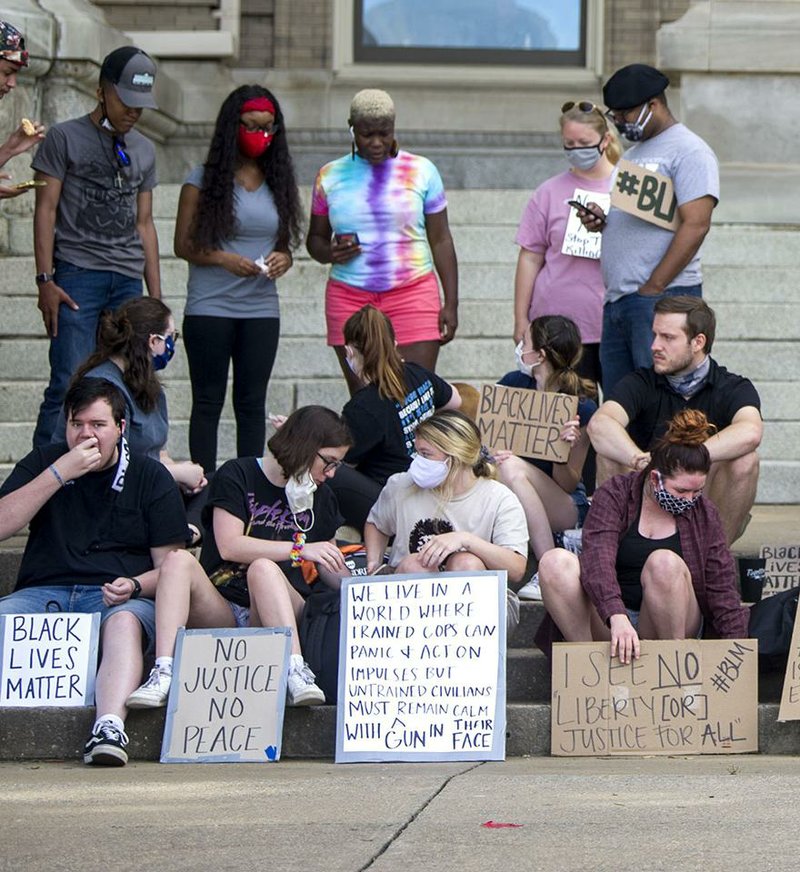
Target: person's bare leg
<point>424,353</point>
<point>412,564</point>
<point>353,382</point>
<point>121,667</point>
<point>607,468</point>
<point>463,561</point>
<point>731,486</point>
<point>273,600</point>
<point>669,607</point>
<point>565,599</point>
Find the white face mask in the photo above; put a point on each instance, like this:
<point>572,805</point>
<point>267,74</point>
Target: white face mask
<point>525,368</point>
<point>300,492</point>
<point>427,473</point>
<point>351,359</point>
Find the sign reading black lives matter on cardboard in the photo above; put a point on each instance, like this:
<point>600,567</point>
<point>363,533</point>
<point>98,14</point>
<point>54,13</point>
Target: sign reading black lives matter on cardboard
<point>781,568</point>
<point>48,659</point>
<point>422,668</point>
<point>646,194</point>
<point>227,697</point>
<point>526,422</point>
<point>679,697</point>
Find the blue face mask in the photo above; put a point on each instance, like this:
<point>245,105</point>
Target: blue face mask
<point>161,360</point>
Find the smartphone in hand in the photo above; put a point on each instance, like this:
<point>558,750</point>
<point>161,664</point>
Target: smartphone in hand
<point>583,210</point>
<point>346,238</point>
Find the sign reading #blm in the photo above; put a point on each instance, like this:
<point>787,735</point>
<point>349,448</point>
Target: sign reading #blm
<point>646,194</point>
<point>422,668</point>
<point>48,659</point>
<point>679,697</point>
<point>525,422</point>
<point>227,697</point>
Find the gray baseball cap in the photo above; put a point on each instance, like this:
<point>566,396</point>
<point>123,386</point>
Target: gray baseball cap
<point>132,72</point>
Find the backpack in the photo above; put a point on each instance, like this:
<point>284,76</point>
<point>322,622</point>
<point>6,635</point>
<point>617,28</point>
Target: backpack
<point>319,638</point>
<point>772,623</point>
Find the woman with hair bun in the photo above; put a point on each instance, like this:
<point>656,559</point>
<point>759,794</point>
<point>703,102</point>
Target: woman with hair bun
<point>395,397</point>
<point>655,563</point>
<point>448,512</point>
<point>379,217</point>
<point>558,268</point>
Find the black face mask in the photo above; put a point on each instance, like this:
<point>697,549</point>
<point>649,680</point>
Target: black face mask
<point>633,131</point>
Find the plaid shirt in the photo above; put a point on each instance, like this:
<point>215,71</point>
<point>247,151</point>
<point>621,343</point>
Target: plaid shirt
<point>615,506</point>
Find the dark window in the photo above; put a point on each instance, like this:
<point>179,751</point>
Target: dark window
<point>539,32</point>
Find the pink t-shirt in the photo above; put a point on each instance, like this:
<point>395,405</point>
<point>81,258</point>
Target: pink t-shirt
<point>568,283</point>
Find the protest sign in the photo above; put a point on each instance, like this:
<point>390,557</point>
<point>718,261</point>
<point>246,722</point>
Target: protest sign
<point>526,422</point>
<point>646,194</point>
<point>781,568</point>
<point>687,696</point>
<point>227,697</point>
<point>790,696</point>
<point>422,668</point>
<point>48,659</point>
<point>578,241</point>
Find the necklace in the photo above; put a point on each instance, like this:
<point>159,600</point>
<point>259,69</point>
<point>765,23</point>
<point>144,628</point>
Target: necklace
<point>118,177</point>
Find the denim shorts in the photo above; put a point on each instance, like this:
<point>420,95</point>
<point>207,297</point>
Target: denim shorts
<point>80,598</point>
<point>582,503</point>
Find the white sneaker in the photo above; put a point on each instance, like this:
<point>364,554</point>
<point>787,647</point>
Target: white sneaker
<point>153,693</point>
<point>300,687</point>
<point>573,540</point>
<point>531,590</point>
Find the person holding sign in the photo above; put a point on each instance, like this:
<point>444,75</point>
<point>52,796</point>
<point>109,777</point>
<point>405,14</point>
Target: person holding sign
<point>655,563</point>
<point>102,521</point>
<point>448,512</point>
<point>383,415</point>
<point>269,521</point>
<point>642,259</point>
<point>558,268</point>
<point>552,494</point>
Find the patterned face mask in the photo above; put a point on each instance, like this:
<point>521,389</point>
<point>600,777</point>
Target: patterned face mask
<point>669,502</point>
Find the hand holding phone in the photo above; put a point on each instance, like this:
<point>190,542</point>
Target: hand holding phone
<point>587,215</point>
<point>346,238</point>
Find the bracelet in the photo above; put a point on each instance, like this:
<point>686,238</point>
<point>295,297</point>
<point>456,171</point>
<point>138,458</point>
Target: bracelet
<point>57,474</point>
<point>298,540</point>
<point>137,586</point>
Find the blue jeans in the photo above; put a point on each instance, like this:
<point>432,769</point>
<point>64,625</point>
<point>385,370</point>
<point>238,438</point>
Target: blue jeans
<point>93,290</point>
<point>628,333</point>
<point>79,598</point>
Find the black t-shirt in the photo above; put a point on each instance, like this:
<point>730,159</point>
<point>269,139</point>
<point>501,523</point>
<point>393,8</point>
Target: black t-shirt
<point>632,554</point>
<point>241,489</point>
<point>650,402</point>
<point>87,533</point>
<point>383,429</point>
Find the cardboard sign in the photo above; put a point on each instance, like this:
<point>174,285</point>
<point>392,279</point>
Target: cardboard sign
<point>422,668</point>
<point>646,194</point>
<point>781,568</point>
<point>227,697</point>
<point>48,659</point>
<point>578,241</point>
<point>681,697</point>
<point>526,422</point>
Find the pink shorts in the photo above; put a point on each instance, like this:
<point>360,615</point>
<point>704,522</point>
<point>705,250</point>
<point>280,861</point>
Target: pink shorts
<point>413,309</point>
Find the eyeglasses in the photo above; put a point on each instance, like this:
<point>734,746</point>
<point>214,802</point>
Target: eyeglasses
<point>582,106</point>
<point>164,336</point>
<point>122,157</point>
<point>267,129</point>
<point>329,464</point>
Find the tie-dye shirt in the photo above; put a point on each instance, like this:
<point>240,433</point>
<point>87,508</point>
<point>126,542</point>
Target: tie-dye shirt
<point>386,205</point>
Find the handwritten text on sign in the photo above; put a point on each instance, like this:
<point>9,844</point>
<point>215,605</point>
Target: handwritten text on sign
<point>227,698</point>
<point>526,422</point>
<point>781,568</point>
<point>48,659</point>
<point>578,241</point>
<point>679,697</point>
<point>422,668</point>
<point>646,194</point>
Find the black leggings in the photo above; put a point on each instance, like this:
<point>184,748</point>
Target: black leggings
<point>211,343</point>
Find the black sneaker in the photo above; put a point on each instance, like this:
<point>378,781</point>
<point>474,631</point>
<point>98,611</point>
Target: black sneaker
<point>106,746</point>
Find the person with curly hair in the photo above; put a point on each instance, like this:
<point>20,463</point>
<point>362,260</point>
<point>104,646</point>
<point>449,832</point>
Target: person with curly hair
<point>238,219</point>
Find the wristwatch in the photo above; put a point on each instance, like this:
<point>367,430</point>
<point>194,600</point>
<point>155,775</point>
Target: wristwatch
<point>137,587</point>
<point>44,278</point>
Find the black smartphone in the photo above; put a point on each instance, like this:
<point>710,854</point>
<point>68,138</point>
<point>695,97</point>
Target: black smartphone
<point>351,238</point>
<point>582,210</point>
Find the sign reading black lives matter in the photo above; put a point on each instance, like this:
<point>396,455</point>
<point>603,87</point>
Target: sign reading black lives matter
<point>48,659</point>
<point>422,668</point>
<point>686,696</point>
<point>646,194</point>
<point>525,422</point>
<point>227,698</point>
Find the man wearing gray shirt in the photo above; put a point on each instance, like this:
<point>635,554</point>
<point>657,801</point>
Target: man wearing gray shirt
<point>641,261</point>
<point>93,231</point>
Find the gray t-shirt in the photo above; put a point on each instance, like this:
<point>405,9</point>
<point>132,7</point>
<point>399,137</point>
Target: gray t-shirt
<point>213,290</point>
<point>96,218</point>
<point>632,248</point>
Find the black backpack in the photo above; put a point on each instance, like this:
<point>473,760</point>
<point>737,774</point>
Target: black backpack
<point>319,638</point>
<point>772,623</point>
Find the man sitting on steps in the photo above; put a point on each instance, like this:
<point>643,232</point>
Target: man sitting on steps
<point>101,523</point>
<point>683,375</point>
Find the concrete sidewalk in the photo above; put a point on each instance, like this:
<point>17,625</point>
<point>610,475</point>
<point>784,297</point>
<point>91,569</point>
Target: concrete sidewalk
<point>704,813</point>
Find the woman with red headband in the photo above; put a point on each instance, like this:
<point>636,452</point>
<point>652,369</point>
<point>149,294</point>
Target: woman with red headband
<point>238,218</point>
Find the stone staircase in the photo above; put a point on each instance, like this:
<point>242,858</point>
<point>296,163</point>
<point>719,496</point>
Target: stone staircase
<point>751,276</point>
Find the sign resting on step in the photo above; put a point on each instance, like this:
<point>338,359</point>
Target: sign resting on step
<point>687,696</point>
<point>422,668</point>
<point>227,697</point>
<point>48,659</point>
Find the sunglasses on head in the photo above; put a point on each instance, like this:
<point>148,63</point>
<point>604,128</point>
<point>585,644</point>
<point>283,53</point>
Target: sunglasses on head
<point>582,106</point>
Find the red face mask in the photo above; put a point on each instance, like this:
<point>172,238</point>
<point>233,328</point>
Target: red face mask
<point>253,143</point>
